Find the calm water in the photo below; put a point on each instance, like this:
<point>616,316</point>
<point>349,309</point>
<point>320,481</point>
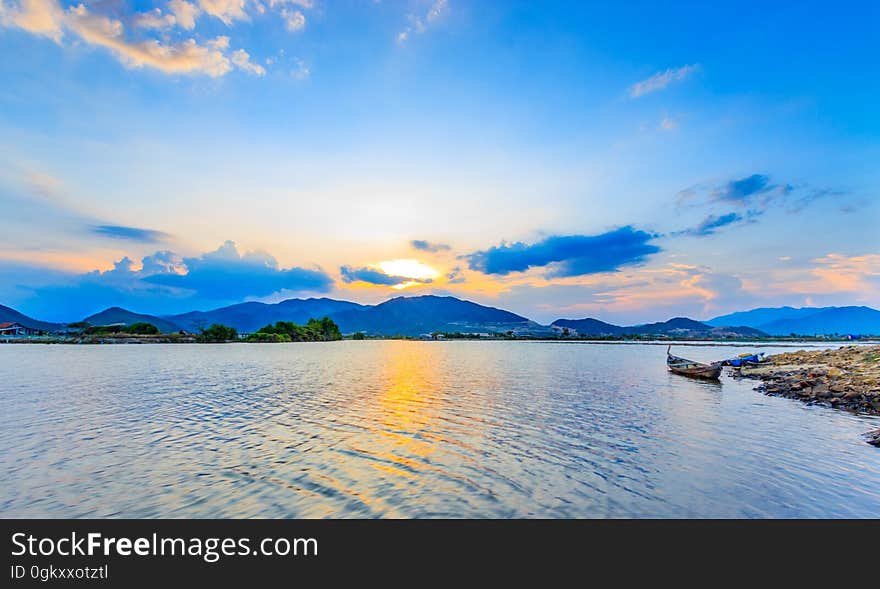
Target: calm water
<point>413,429</point>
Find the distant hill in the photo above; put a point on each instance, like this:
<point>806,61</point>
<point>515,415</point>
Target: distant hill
<point>118,315</point>
<point>413,316</point>
<point>249,317</point>
<point>589,326</point>
<point>429,313</point>
<point>840,320</point>
<point>809,320</point>
<point>764,315</point>
<point>10,314</point>
<point>676,327</point>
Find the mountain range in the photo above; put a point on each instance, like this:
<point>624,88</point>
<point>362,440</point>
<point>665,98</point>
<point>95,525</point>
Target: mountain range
<point>806,320</point>
<point>412,316</point>
<point>249,317</point>
<point>675,327</point>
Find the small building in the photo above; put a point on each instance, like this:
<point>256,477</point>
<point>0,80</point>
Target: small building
<point>13,329</point>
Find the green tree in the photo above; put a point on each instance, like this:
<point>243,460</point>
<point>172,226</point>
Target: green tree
<point>262,337</point>
<point>142,328</point>
<point>315,330</point>
<point>103,329</point>
<point>217,333</point>
<point>358,335</point>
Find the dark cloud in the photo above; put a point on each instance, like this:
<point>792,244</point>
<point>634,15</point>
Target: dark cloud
<point>369,275</point>
<point>758,192</point>
<point>427,246</point>
<point>571,255</point>
<point>744,190</point>
<point>808,197</point>
<point>455,277</point>
<point>374,276</point>
<point>129,233</point>
<point>164,283</point>
<point>711,224</point>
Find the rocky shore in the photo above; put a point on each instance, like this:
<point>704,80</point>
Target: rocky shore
<point>846,378</point>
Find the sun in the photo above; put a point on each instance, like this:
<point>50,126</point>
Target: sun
<point>408,269</point>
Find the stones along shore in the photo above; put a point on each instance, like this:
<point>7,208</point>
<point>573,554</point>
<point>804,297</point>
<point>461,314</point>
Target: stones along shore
<point>846,378</point>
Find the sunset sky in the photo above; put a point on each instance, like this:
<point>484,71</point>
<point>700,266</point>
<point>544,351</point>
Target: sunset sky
<point>620,160</point>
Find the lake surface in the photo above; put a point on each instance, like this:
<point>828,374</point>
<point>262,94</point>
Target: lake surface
<point>414,429</point>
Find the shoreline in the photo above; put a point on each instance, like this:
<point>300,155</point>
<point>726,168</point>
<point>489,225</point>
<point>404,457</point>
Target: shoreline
<point>173,338</point>
<point>847,378</point>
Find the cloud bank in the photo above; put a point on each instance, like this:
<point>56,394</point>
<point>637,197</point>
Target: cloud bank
<point>153,39</point>
<point>164,283</point>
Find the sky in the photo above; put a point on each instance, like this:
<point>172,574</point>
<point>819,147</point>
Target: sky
<point>629,161</point>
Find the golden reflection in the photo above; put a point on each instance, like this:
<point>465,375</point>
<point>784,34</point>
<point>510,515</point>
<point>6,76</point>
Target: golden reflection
<point>409,405</point>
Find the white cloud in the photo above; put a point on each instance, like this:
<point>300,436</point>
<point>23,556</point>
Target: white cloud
<point>437,10</point>
<point>242,60</point>
<point>301,71</point>
<point>212,57</point>
<point>154,19</point>
<point>661,80</point>
<point>41,17</point>
<point>46,17</point>
<point>185,13</point>
<point>221,43</point>
<point>668,124</point>
<point>306,4</point>
<point>226,10</point>
<point>294,20</point>
<point>182,57</point>
<point>419,24</point>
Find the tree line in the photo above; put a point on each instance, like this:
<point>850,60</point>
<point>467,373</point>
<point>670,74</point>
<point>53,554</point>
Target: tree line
<point>315,330</point>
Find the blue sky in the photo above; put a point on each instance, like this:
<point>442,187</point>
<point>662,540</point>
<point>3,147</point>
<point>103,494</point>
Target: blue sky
<point>627,161</point>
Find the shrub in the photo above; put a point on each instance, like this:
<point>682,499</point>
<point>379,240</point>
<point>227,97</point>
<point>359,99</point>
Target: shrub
<point>261,337</point>
<point>142,329</point>
<point>217,333</point>
<point>316,330</point>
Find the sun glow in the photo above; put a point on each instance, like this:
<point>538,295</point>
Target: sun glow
<point>408,269</point>
<point>406,284</point>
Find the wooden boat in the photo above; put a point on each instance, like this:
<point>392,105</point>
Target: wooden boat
<point>691,368</point>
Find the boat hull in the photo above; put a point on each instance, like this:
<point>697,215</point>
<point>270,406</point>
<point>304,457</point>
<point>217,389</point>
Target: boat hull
<point>686,367</point>
<point>707,372</point>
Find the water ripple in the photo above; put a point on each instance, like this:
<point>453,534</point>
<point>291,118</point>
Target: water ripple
<point>413,429</point>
